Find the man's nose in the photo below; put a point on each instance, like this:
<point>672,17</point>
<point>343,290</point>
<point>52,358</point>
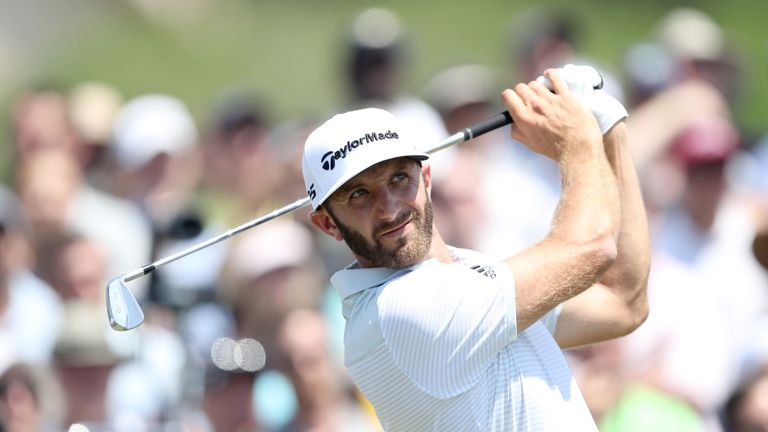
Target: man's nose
<point>387,205</point>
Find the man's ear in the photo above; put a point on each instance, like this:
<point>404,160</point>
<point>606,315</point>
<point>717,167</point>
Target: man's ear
<point>426,174</point>
<point>323,221</point>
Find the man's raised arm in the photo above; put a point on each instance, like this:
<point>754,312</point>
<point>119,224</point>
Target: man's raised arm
<point>582,242</point>
<point>617,304</point>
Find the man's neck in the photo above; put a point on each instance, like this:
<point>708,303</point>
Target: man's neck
<point>438,249</point>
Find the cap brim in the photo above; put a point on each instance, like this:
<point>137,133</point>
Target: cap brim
<point>352,173</point>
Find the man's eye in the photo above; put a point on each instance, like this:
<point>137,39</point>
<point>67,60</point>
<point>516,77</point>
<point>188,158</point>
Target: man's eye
<point>357,193</point>
<point>399,177</point>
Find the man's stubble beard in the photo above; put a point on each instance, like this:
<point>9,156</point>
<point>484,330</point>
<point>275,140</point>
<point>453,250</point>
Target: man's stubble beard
<point>404,254</point>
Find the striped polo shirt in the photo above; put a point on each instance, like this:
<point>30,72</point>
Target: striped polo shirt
<point>435,347</point>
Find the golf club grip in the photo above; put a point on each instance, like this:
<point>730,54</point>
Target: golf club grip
<point>485,126</point>
<point>499,120</point>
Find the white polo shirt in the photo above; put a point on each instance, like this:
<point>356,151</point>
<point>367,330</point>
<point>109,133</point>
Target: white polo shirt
<point>435,347</point>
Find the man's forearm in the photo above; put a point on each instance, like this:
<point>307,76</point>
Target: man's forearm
<point>585,229</point>
<point>629,273</point>
<point>582,242</point>
<point>580,246</point>
<point>589,205</point>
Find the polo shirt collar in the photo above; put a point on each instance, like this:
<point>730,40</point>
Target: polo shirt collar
<point>354,278</point>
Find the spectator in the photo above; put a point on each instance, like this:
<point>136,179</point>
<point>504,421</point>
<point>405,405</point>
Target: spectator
<point>92,108</point>
<point>270,272</point>
<point>542,38</point>
<point>376,58</point>
<point>158,167</point>
<point>747,408</point>
<point>30,311</point>
<point>47,182</point>
<point>75,267</point>
<point>156,159</point>
<point>240,174</point>
<point>39,121</point>
<point>57,200</point>
<point>83,360</point>
<point>28,400</point>
<point>228,401</point>
<point>705,290</point>
<point>648,68</point>
<point>702,49</point>
<point>324,398</point>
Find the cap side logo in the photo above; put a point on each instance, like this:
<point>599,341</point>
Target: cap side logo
<point>312,192</point>
<point>328,160</point>
<point>328,164</point>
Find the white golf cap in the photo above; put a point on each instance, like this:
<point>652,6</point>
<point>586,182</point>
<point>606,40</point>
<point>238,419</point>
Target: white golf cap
<point>149,125</point>
<point>350,143</point>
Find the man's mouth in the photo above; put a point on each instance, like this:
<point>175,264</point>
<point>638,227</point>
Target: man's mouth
<point>396,230</point>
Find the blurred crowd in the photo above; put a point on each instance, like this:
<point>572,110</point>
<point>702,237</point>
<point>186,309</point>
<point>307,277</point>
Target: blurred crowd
<point>101,184</point>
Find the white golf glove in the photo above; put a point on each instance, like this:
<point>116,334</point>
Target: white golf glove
<point>582,80</point>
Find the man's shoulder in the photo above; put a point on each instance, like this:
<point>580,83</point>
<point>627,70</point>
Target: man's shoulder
<point>468,256</point>
<point>354,279</point>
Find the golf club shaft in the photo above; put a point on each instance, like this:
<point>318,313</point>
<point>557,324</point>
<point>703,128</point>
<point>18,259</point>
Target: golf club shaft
<point>495,122</point>
<point>139,272</point>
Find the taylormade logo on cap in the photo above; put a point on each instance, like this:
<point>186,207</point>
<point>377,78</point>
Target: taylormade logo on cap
<point>348,144</point>
<point>329,159</point>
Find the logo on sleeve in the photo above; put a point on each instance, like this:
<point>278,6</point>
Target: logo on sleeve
<point>484,270</point>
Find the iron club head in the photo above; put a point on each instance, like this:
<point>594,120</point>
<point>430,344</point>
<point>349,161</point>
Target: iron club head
<point>122,308</point>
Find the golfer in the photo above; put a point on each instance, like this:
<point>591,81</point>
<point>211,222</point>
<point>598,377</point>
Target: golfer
<point>445,339</point>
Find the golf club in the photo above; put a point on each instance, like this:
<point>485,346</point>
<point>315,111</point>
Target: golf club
<point>124,311</point>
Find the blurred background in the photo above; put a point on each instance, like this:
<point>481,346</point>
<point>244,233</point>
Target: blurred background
<point>132,129</point>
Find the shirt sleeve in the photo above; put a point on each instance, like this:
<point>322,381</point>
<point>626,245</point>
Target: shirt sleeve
<point>550,318</point>
<point>445,323</point>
